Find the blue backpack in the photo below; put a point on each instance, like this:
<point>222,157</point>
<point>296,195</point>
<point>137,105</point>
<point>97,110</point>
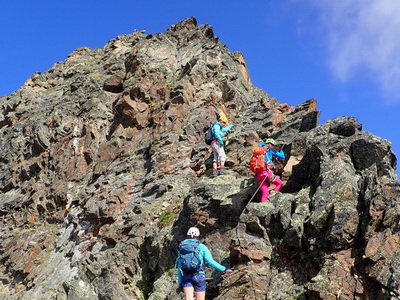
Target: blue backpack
<point>189,256</point>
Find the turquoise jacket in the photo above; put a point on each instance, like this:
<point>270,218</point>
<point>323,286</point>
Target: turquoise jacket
<point>205,256</point>
<point>218,131</point>
<point>270,153</point>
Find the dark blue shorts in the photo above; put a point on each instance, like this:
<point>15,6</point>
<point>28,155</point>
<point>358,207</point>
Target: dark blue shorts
<point>197,281</point>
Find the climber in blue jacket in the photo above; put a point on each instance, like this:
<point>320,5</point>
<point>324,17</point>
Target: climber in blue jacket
<point>195,282</point>
<point>270,153</point>
<point>218,131</point>
<point>268,177</point>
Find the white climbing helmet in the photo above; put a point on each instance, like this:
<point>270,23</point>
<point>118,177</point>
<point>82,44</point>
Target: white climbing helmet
<point>193,231</point>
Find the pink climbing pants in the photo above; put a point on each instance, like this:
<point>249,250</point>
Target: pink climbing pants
<point>264,188</point>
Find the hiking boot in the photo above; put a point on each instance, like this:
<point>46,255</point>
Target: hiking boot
<point>223,171</point>
<point>272,192</point>
<point>214,174</point>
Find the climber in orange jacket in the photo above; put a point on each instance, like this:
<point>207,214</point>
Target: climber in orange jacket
<point>264,171</point>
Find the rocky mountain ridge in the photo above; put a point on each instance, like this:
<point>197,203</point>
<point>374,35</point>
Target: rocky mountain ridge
<point>104,168</point>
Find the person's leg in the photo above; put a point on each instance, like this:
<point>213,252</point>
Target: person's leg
<point>199,283</point>
<point>222,158</point>
<point>189,293</point>
<point>278,184</point>
<point>264,188</point>
<point>215,148</point>
<point>188,283</point>
<point>215,169</point>
<point>200,295</point>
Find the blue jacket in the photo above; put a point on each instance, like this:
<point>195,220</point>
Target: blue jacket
<point>205,256</point>
<point>218,131</point>
<point>271,153</point>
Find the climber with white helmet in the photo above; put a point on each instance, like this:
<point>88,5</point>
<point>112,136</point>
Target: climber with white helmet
<point>191,265</point>
<point>218,131</point>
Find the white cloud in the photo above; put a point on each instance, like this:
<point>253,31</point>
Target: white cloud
<point>363,37</point>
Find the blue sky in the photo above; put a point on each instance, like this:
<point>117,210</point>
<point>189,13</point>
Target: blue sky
<point>344,53</point>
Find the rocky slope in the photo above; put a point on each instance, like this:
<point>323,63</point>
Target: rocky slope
<point>103,169</point>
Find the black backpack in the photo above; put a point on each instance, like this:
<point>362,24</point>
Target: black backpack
<point>189,256</point>
<point>208,136</point>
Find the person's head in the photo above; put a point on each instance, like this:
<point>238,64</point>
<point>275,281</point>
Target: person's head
<point>270,142</point>
<point>223,119</point>
<point>193,233</point>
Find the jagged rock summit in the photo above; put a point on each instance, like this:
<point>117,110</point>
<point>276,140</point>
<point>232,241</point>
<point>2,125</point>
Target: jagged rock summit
<point>104,167</point>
